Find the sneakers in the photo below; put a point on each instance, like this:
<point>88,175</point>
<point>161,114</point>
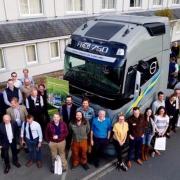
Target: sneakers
<point>123,166</point>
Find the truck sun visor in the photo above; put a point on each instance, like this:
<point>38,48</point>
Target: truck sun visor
<point>155,29</point>
<point>103,30</point>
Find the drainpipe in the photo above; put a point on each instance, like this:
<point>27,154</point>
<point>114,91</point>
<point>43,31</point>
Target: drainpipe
<point>5,10</point>
<point>55,15</point>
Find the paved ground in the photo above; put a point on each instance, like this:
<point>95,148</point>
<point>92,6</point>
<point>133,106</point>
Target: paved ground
<point>165,167</point>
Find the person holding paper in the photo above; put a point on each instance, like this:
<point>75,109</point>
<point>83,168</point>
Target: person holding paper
<point>56,133</point>
<point>162,122</point>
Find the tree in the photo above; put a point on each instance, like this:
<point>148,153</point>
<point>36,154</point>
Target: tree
<point>165,13</point>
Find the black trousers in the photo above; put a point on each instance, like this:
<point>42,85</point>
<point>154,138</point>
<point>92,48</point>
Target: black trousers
<point>5,153</point>
<point>98,148</point>
<point>119,149</point>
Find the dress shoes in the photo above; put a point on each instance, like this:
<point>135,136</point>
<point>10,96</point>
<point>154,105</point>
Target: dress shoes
<point>29,163</point>
<point>17,164</point>
<point>39,164</point>
<point>6,169</point>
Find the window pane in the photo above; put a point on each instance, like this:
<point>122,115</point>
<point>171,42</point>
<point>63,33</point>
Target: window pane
<point>157,2</point>
<point>35,6</point>
<point>135,3</point>
<point>24,6</point>
<point>69,5</point>
<point>1,60</point>
<point>78,5</point>
<point>31,53</point>
<point>176,1</point>
<point>111,4</point>
<point>54,49</point>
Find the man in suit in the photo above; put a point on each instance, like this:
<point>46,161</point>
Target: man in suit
<point>8,136</point>
<point>17,113</point>
<point>68,113</point>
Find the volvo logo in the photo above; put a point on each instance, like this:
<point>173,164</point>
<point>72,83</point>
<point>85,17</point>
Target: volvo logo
<point>153,67</point>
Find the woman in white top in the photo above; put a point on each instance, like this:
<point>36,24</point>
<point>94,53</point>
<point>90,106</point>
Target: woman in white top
<point>161,123</point>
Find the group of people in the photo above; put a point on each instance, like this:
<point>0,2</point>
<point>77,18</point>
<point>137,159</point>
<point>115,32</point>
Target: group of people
<point>23,117</point>
<point>80,130</point>
<point>173,66</point>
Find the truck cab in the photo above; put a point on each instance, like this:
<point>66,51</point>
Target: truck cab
<point>118,62</point>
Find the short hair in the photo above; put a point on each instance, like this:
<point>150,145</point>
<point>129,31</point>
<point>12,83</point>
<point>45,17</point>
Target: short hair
<point>41,85</point>
<point>136,108</point>
<point>85,99</point>
<point>160,93</point>
<point>9,80</point>
<point>13,73</point>
<point>101,110</point>
<point>25,69</point>
<point>29,116</point>
<point>15,99</point>
<point>68,96</point>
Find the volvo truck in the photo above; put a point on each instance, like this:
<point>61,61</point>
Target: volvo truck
<point>118,62</point>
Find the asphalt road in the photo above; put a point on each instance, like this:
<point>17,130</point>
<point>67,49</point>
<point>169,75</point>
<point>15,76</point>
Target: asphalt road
<point>164,167</point>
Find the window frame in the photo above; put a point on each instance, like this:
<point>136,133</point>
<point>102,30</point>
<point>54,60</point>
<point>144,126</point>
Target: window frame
<point>135,7</point>
<point>157,5</point>
<point>71,12</point>
<point>175,4</point>
<point>3,59</point>
<point>59,53</point>
<point>36,55</point>
<point>108,9</point>
<point>29,13</point>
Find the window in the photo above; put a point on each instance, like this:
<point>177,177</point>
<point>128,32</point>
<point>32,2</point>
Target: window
<point>31,54</point>
<point>135,3</point>
<point>75,5</point>
<point>157,2</point>
<point>30,7</point>
<point>54,50</point>
<point>2,66</point>
<point>108,4</point>
<point>175,1</point>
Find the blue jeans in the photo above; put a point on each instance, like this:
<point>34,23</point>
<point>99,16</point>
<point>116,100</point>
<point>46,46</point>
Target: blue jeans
<point>147,139</point>
<point>135,147</point>
<point>34,151</point>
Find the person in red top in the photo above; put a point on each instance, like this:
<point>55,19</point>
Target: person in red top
<point>56,133</point>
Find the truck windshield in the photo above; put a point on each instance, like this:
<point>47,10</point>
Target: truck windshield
<point>93,77</point>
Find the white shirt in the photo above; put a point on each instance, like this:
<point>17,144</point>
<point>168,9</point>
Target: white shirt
<point>35,129</point>
<point>17,83</point>
<point>34,99</point>
<point>9,132</point>
<point>17,116</point>
<point>156,104</point>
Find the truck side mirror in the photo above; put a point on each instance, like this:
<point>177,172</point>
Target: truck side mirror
<point>137,89</point>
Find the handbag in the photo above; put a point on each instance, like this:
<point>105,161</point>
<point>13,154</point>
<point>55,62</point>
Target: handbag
<point>160,143</point>
<point>178,123</point>
<point>58,165</point>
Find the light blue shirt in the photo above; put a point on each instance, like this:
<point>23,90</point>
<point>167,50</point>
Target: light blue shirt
<point>101,128</point>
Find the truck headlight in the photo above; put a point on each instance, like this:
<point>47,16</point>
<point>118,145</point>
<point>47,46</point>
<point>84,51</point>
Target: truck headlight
<point>120,52</point>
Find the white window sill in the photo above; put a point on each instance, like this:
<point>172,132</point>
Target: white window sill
<point>23,16</point>
<point>135,8</point>
<point>157,6</point>
<point>2,69</point>
<point>107,10</point>
<point>175,5</point>
<point>32,63</point>
<point>70,13</point>
<point>55,59</point>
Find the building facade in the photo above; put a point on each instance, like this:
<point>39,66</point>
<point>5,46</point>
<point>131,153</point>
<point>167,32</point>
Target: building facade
<point>34,33</point>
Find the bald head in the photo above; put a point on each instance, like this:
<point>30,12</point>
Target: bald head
<point>6,119</point>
